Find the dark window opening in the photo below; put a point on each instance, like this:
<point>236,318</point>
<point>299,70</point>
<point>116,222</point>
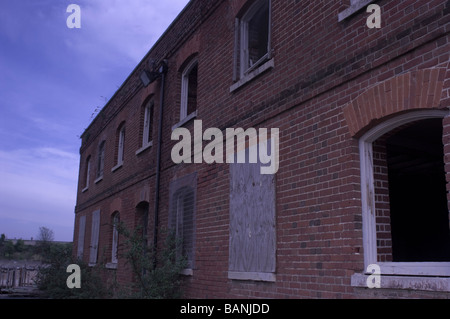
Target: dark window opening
<point>192,90</point>
<point>419,214</point>
<point>258,35</point>
<point>142,211</point>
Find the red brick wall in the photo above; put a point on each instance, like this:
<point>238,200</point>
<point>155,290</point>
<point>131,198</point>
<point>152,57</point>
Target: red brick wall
<point>331,82</point>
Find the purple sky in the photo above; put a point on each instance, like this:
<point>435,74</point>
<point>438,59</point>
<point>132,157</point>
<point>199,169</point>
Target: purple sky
<point>52,80</point>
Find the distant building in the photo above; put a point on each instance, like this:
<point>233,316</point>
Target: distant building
<point>364,151</point>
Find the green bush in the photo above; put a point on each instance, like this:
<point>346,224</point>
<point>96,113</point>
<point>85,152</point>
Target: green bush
<point>52,277</point>
<point>157,273</point>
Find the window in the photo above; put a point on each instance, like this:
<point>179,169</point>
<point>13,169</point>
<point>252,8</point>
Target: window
<point>87,173</point>
<point>120,144</point>
<point>146,126</point>
<point>355,6</point>
<point>182,216</point>
<point>148,117</point>
<point>189,83</point>
<point>100,161</point>
<point>254,36</point>
<point>115,237</point>
<point>142,211</point>
<point>252,254</point>
<point>81,233</point>
<point>95,230</point>
<point>252,54</point>
<point>404,196</point>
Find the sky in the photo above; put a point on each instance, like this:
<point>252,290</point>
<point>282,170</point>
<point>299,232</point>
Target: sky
<point>53,81</point>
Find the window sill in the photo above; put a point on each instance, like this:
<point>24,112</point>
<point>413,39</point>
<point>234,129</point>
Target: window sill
<point>253,74</point>
<point>353,9</point>
<point>115,168</point>
<point>111,265</point>
<point>85,189</point>
<point>185,120</point>
<point>98,180</point>
<point>187,272</point>
<point>404,282</point>
<point>143,148</point>
<point>254,276</point>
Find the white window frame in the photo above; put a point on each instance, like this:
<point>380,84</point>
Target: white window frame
<point>88,174</point>
<point>100,161</point>
<point>121,146</point>
<point>245,68</point>
<point>147,125</point>
<point>115,239</point>
<point>355,6</point>
<point>185,90</point>
<point>368,201</point>
<point>241,73</point>
<point>95,234</point>
<point>120,149</point>
<point>81,234</point>
<point>146,143</point>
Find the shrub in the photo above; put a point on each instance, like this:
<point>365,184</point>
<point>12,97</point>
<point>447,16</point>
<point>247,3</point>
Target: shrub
<point>157,273</point>
<point>52,277</point>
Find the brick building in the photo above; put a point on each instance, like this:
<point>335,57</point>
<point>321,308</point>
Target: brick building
<point>364,150</point>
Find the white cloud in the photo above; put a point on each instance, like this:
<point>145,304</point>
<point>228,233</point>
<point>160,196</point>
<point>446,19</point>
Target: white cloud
<point>38,185</point>
<point>124,27</point>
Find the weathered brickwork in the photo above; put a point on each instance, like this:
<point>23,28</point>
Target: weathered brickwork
<point>330,83</point>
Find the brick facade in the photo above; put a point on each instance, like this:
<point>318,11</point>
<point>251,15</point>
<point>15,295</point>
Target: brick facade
<point>329,83</point>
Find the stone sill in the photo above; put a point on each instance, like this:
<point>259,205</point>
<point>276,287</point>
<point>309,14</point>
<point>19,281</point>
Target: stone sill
<point>253,74</point>
<point>438,284</point>
<point>143,148</point>
<point>185,120</point>
<point>353,9</point>
<point>254,276</point>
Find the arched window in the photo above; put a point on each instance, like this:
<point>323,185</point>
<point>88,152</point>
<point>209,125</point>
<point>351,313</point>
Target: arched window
<point>189,90</point>
<point>100,160</point>
<point>141,220</point>
<point>146,125</point>
<point>87,173</point>
<point>404,196</point>
<point>120,146</point>
<point>115,237</point>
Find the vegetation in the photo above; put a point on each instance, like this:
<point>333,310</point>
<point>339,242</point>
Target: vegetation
<point>17,250</point>
<point>52,277</point>
<point>157,272</point>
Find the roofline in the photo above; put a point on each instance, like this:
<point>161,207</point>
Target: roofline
<point>139,64</point>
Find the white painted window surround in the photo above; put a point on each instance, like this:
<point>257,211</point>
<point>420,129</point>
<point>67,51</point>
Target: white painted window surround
<point>245,68</point>
<point>355,6</point>
<point>147,139</point>
<point>95,229</point>
<point>184,116</point>
<point>407,275</point>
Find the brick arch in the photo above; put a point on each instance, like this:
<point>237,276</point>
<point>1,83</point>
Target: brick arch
<point>421,89</point>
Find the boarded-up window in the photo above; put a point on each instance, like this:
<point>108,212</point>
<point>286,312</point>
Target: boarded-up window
<point>94,237</point>
<point>252,223</point>
<point>81,232</point>
<point>182,215</point>
<point>115,237</point>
